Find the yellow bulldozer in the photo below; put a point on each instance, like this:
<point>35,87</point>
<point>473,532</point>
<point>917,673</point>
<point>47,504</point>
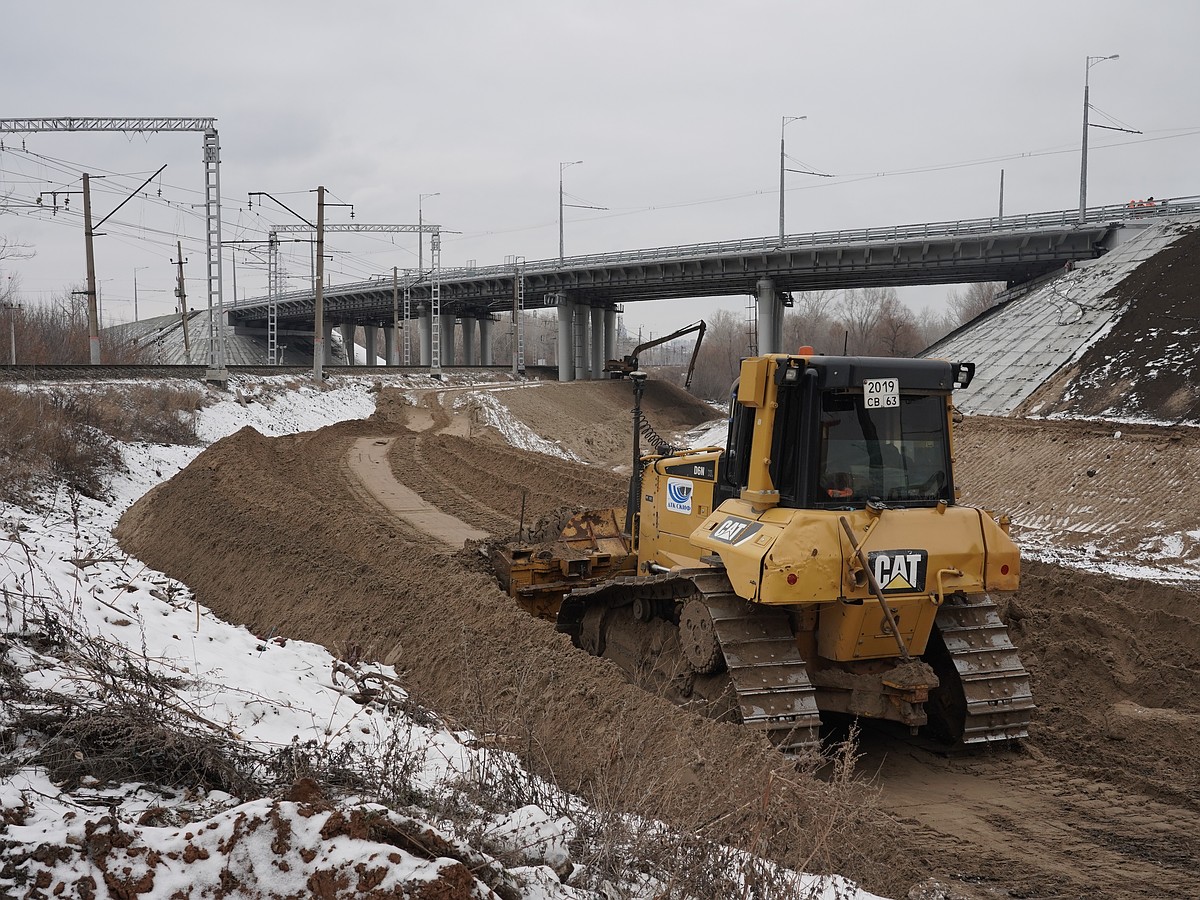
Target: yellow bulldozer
<point>819,562</point>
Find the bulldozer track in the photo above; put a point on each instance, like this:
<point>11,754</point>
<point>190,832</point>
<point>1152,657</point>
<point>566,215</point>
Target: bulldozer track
<point>769,676</point>
<point>438,486</point>
<point>999,699</point>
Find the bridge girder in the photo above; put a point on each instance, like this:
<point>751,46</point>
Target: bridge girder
<point>1011,257</point>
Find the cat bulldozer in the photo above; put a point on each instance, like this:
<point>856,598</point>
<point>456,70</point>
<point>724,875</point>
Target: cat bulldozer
<point>818,563</point>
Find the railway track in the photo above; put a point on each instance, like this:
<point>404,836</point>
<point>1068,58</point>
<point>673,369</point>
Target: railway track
<point>32,373</point>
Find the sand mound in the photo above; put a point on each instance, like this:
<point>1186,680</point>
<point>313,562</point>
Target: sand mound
<point>270,536</point>
<point>1104,800</point>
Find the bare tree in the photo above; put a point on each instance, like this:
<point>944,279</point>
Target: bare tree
<point>973,300</point>
<point>933,325</point>
<point>859,313</point>
<point>10,249</point>
<point>811,323</point>
<point>720,356</point>
<point>896,327</point>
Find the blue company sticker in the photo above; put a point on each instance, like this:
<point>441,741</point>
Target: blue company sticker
<point>679,496</point>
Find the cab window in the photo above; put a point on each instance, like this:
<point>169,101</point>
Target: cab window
<point>898,454</point>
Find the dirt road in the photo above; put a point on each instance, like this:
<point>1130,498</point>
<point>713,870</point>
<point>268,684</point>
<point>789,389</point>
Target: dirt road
<point>1103,800</point>
<point>369,475</point>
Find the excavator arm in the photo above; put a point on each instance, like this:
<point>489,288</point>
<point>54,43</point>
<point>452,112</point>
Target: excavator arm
<point>619,368</point>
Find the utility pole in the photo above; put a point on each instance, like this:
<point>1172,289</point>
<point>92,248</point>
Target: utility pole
<point>12,307</point>
<point>319,291</point>
<point>93,321</point>
<point>181,293</point>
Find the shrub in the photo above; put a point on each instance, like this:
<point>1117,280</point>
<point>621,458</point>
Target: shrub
<point>70,436</point>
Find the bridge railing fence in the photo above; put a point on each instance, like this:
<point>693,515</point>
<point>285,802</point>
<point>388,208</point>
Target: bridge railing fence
<point>1098,215</point>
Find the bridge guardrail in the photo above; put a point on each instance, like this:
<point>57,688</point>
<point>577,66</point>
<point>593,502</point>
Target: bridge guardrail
<point>885,234</point>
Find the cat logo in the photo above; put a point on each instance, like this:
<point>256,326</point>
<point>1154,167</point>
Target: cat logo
<point>735,531</point>
<point>899,571</point>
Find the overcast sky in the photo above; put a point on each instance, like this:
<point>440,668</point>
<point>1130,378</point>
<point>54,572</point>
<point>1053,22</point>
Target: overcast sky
<point>674,107</point>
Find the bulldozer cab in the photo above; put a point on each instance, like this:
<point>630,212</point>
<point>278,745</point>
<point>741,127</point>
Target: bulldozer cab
<point>841,432</point>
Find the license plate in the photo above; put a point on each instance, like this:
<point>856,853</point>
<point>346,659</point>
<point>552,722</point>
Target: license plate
<point>881,393</point>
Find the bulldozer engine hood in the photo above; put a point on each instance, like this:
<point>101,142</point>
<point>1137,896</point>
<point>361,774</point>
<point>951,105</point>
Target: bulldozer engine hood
<point>795,556</point>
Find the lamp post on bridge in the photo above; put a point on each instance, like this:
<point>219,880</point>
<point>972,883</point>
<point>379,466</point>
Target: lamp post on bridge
<point>562,166</point>
<point>787,120</point>
<point>1091,61</point>
<point>782,156</point>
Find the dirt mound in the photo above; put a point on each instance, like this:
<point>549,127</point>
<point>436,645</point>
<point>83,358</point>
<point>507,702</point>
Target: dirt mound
<point>269,536</point>
<point>1107,494</point>
<point>1103,800</point>
<point>1116,664</point>
<point>1146,365</point>
<point>593,418</point>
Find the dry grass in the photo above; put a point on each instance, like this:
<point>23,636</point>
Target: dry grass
<point>809,814</point>
<point>70,436</point>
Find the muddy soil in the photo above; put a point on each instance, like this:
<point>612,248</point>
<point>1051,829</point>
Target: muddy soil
<point>1103,800</point>
<point>1111,493</point>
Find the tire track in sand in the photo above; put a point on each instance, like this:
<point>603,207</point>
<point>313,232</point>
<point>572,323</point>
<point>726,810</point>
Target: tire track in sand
<point>367,463</point>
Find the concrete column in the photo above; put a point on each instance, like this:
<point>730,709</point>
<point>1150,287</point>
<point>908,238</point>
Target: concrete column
<point>347,330</point>
<point>485,342</point>
<point>446,338</point>
<point>580,342</point>
<point>371,336</point>
<point>597,348</point>
<point>610,333</point>
<point>328,342</point>
<point>425,335</point>
<point>470,341</point>
<point>780,311</point>
<point>389,346</point>
<point>566,339</point>
<point>768,316</point>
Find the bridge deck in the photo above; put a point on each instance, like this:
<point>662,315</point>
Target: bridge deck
<point>1013,250</point>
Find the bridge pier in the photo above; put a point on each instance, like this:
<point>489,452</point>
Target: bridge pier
<point>485,341</point>
<point>597,348</point>
<point>389,345</point>
<point>610,333</point>
<point>446,338</point>
<point>566,338</point>
<point>347,332</point>
<point>580,316</point>
<point>371,338</point>
<point>425,329</point>
<point>328,354</point>
<point>470,337</point>
<point>770,317</point>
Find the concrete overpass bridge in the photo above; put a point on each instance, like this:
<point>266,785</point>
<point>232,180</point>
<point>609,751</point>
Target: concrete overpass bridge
<point>586,290</point>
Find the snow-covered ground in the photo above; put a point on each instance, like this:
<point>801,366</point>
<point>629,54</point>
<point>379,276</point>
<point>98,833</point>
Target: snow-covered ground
<point>76,610</point>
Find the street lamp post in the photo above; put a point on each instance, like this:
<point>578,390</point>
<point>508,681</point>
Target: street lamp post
<point>1091,61</point>
<point>561,167</point>
<point>421,198</point>
<point>782,156</point>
